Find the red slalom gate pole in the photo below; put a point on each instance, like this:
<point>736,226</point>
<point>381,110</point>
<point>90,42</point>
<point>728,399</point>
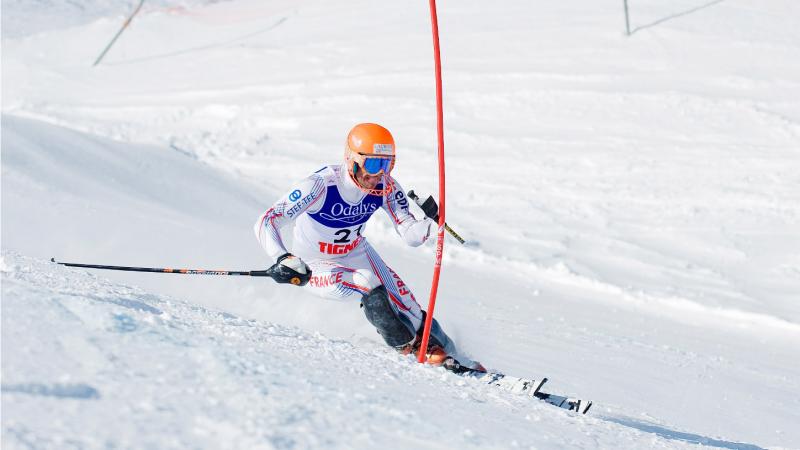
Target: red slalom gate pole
<point>437,267</point>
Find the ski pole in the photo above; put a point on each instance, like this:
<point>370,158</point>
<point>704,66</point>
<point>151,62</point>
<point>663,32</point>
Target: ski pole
<point>116,36</point>
<point>413,196</point>
<point>271,272</point>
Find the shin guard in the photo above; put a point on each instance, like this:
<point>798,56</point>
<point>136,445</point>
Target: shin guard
<point>395,329</point>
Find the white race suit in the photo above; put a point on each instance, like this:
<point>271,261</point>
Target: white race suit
<point>329,212</point>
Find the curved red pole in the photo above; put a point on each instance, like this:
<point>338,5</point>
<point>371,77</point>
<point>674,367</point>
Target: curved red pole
<point>437,268</point>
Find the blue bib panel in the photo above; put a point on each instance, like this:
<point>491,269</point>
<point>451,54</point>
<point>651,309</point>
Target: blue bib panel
<point>337,213</point>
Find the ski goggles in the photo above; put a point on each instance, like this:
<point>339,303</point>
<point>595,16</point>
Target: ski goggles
<point>374,165</point>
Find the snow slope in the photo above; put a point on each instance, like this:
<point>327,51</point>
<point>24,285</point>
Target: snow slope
<point>135,203</point>
<point>632,206</point>
<point>106,365</point>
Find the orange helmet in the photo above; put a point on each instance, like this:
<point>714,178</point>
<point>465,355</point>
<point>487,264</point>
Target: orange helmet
<point>370,147</point>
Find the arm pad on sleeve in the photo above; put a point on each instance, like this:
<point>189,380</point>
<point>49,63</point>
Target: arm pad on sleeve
<point>298,200</point>
<point>414,232</point>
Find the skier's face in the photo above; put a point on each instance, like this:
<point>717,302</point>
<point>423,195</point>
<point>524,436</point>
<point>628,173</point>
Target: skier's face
<point>367,180</point>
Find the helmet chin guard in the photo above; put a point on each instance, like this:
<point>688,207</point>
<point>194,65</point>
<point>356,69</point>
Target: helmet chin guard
<point>370,147</point>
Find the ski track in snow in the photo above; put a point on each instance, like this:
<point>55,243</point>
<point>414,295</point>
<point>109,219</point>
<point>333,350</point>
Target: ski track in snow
<point>650,263</point>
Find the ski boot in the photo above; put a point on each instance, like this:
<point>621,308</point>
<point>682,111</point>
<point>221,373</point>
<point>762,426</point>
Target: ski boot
<point>435,356</point>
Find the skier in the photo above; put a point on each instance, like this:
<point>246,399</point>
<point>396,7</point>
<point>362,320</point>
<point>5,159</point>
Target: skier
<point>331,256</point>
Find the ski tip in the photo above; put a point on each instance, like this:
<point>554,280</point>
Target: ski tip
<point>583,406</point>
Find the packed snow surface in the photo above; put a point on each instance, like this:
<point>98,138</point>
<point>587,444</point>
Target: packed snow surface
<point>631,205</point>
<point>112,366</point>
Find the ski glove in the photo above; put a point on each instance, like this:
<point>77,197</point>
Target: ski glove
<point>429,206</point>
<point>290,269</point>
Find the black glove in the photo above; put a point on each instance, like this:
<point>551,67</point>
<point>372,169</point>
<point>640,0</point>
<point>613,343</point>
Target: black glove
<point>430,208</point>
<point>290,269</point>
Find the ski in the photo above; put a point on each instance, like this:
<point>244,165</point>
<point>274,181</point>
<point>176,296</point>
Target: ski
<point>530,387</point>
<point>571,404</point>
<point>516,385</point>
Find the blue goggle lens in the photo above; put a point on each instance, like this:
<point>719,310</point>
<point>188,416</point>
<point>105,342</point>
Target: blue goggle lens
<point>375,165</point>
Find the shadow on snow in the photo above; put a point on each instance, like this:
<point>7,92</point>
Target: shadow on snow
<point>679,435</point>
<point>60,390</point>
<point>676,15</point>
